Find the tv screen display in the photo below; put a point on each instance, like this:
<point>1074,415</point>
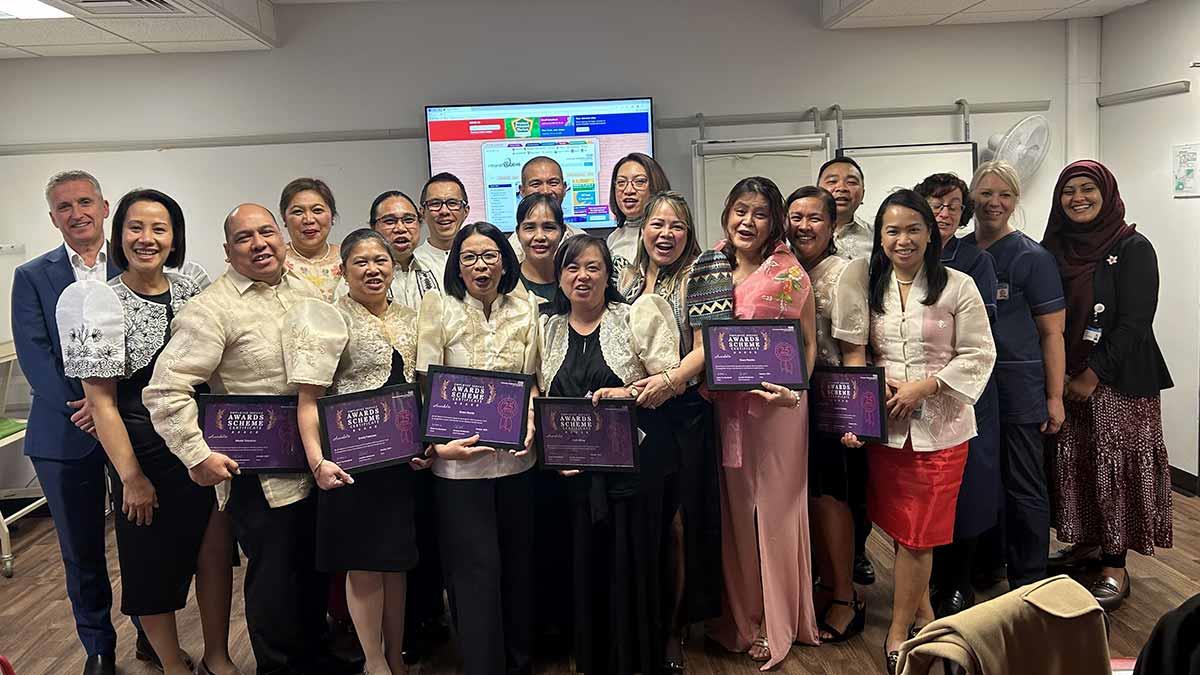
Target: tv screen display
<point>486,146</point>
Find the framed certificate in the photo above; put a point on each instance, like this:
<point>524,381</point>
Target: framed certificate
<point>464,402</point>
<point>574,434</point>
<point>257,432</point>
<point>849,399</point>
<point>741,354</point>
<point>371,429</point>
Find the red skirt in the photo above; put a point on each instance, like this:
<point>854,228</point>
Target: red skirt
<point>913,495</point>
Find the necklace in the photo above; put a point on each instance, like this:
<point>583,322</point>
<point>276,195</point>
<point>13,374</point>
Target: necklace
<point>905,283</point>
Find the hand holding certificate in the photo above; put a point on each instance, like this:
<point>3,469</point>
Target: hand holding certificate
<point>476,410</point>
<point>257,432</point>
<point>849,401</point>
<point>371,429</point>
<point>577,433</point>
<point>742,354</point>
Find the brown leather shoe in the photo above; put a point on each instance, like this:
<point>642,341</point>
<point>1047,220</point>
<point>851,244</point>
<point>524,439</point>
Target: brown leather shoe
<point>1109,593</point>
<point>1071,558</point>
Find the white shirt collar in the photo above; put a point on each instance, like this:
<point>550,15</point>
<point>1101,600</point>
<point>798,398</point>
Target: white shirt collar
<point>101,256</point>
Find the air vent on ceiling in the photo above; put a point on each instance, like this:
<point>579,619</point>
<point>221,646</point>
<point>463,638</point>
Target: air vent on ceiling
<point>130,7</point>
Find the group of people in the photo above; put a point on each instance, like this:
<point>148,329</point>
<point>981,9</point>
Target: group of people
<point>1022,394</point>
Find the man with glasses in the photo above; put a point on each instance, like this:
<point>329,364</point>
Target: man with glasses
<point>543,175</point>
<point>444,207</point>
<point>396,217</point>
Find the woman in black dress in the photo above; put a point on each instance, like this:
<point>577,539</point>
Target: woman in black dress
<point>594,344</point>
<point>170,530</point>
<point>365,524</point>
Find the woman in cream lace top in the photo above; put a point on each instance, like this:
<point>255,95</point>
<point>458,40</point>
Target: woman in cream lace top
<point>308,211</point>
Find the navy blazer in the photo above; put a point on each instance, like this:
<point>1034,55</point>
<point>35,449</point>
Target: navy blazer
<point>36,287</point>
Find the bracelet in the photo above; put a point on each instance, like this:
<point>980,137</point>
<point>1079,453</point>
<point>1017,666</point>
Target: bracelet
<point>667,378</point>
<point>318,466</point>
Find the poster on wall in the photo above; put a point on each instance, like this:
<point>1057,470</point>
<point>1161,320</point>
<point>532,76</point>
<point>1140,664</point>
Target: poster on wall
<point>1185,170</point>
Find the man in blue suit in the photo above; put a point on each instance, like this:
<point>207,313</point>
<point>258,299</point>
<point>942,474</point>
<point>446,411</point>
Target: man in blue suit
<point>60,439</point>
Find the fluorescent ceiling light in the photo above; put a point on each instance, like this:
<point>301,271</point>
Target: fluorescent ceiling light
<point>30,9</point>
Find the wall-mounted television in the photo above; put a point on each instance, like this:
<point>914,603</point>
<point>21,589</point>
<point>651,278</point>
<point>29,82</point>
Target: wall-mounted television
<point>486,146</point>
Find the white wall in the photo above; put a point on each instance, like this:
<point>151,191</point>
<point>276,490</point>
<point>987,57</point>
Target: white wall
<point>376,65</point>
<point>1135,143</point>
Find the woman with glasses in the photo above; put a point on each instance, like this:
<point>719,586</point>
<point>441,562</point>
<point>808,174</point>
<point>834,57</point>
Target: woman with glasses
<point>597,345</point>
<point>308,211</point>
<point>979,498</point>
<point>635,177</point>
<point>484,496</point>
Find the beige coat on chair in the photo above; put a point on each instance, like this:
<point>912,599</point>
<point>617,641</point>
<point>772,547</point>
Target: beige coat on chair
<point>1052,627</point>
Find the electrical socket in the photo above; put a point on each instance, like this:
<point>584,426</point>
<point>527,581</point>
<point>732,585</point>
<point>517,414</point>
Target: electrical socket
<point>12,248</point>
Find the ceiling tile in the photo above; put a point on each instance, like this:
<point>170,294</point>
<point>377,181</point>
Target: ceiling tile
<point>1094,8</point>
<point>208,46</point>
<point>53,32</point>
<point>1023,5</point>
<point>856,21</point>
<point>180,29</point>
<point>89,50</point>
<point>900,8</point>
<point>13,53</point>
<point>996,17</point>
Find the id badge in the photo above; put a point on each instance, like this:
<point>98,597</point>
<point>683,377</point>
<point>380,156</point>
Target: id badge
<point>1092,334</point>
<point>1001,292</point>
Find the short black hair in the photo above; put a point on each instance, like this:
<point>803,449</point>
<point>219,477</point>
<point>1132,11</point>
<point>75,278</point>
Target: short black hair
<point>452,281</point>
<point>821,193</point>
<point>359,236</point>
<point>942,184</point>
<point>178,240</point>
<point>299,185</point>
<point>540,158</point>
<point>841,159</point>
<point>443,177</point>
<point>383,197</point>
<point>567,254</point>
<point>530,201</point>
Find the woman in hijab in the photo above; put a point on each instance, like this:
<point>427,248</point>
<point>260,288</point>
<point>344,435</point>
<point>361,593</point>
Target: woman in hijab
<point>1110,484</point>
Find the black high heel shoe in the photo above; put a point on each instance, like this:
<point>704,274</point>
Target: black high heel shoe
<point>856,625</point>
<point>891,659</point>
<point>673,665</point>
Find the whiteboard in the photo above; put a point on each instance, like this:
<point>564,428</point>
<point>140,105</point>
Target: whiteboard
<point>887,168</point>
<point>790,161</point>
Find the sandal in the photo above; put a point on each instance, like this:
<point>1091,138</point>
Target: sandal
<point>760,643</point>
<point>854,627</point>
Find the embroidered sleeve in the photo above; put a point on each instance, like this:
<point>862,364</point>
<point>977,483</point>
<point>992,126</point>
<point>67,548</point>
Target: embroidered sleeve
<point>967,373</point>
<point>850,318</point>
<point>654,332</point>
<point>431,340</point>
<point>91,326</point>
<point>710,288</point>
<point>314,337</point>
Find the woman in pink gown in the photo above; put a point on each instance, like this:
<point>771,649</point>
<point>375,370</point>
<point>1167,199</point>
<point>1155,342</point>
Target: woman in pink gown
<point>764,436</point>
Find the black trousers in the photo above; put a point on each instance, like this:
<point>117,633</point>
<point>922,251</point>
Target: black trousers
<point>285,595</point>
<point>1026,516</point>
<point>424,602</point>
<point>856,489</point>
<point>486,531</point>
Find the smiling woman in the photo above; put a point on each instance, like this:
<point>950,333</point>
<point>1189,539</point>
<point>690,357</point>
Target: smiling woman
<point>308,211</point>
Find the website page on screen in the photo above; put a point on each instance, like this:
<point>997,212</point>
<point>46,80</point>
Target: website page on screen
<point>486,146</point>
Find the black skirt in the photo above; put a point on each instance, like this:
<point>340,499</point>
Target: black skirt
<point>370,524</point>
<point>158,560</point>
<point>979,496</point>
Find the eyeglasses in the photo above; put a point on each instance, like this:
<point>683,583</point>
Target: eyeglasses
<point>451,204</point>
<point>639,182</point>
<point>488,257</point>
<point>391,221</point>
<point>953,209</point>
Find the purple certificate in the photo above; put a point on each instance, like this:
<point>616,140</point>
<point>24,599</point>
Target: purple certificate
<point>849,399</point>
<point>741,354</point>
<point>464,402</point>
<point>574,434</point>
<point>371,429</point>
<point>257,432</point>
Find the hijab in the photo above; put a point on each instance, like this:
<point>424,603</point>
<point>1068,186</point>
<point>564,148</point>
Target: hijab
<point>1079,247</point>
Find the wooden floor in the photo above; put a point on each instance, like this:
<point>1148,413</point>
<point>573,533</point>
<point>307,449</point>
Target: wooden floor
<point>38,635</point>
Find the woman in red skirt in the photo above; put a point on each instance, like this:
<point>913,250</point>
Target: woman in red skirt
<point>929,332</point>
